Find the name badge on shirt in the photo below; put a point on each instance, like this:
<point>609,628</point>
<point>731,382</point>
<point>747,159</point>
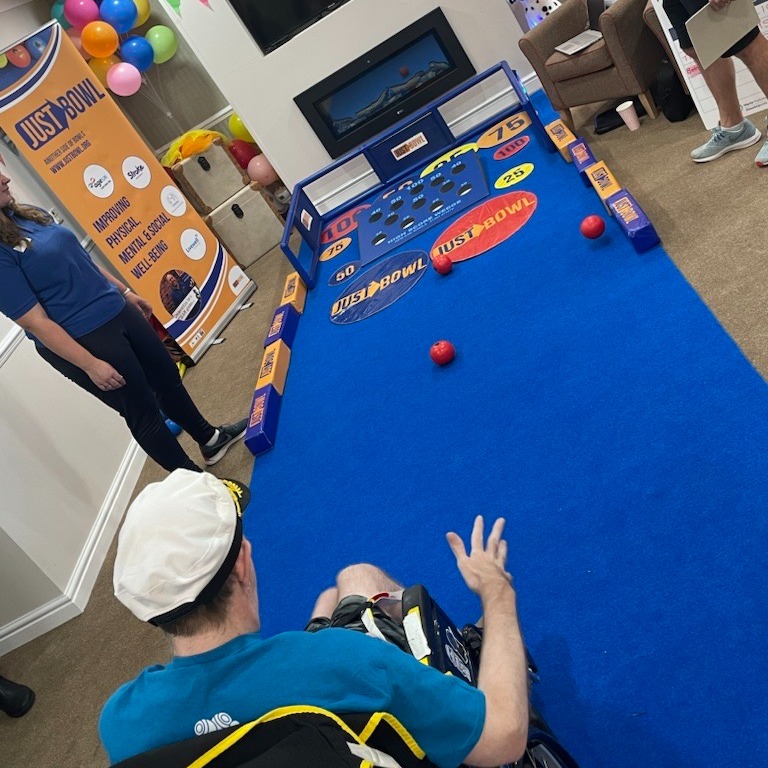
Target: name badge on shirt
<point>22,246</point>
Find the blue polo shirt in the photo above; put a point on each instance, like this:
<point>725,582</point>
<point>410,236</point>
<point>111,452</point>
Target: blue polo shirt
<point>336,669</point>
<point>55,271</point>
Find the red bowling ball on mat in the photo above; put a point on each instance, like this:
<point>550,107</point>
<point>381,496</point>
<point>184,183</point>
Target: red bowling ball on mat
<point>442,264</point>
<point>592,227</point>
<point>442,352</point>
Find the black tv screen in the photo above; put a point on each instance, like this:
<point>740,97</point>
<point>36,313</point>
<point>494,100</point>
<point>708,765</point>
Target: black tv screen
<point>386,84</point>
<point>274,22</point>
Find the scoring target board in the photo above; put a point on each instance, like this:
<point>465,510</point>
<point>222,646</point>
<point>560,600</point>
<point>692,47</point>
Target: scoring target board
<point>453,190</point>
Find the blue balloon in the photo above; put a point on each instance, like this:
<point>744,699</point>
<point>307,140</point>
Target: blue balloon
<point>137,51</point>
<point>121,14</point>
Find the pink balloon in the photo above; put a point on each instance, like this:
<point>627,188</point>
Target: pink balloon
<point>80,12</point>
<point>261,170</point>
<point>74,35</point>
<point>123,79</point>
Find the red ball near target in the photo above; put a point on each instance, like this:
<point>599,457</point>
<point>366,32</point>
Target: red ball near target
<point>442,264</point>
<point>592,227</point>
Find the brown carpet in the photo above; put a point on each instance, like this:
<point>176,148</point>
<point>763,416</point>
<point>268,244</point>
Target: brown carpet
<point>709,218</point>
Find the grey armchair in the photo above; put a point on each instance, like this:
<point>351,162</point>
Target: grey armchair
<point>623,64</point>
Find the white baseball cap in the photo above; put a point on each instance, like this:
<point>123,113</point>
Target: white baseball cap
<point>177,546</point>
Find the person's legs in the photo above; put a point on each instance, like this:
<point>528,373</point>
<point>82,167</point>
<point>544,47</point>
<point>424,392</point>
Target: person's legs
<point>720,78</point>
<point>172,396</point>
<point>755,56</point>
<point>325,603</point>
<point>733,131</point>
<point>348,606</point>
<point>366,580</point>
<point>163,377</point>
<point>135,401</point>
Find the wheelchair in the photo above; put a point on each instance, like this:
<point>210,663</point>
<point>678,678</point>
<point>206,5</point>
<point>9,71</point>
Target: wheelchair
<point>305,736</point>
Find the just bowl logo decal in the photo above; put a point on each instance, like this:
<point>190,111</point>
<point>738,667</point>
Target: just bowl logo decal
<point>485,226</point>
<point>379,287</point>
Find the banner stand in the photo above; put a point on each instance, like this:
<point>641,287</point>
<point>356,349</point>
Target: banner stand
<point>65,123</point>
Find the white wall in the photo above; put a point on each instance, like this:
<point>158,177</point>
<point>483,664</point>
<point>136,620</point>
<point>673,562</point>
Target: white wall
<point>19,17</point>
<point>261,88</point>
<point>68,464</point>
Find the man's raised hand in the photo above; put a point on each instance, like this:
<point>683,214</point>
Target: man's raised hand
<point>484,568</point>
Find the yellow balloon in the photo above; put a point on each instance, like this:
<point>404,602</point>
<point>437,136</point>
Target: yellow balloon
<point>238,130</point>
<point>142,6</point>
<point>100,67</point>
<point>3,60</point>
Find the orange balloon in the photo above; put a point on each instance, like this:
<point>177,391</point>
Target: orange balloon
<point>99,39</point>
<point>100,67</point>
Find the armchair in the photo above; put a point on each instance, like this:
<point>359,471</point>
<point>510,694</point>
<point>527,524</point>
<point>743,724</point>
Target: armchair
<point>623,64</point>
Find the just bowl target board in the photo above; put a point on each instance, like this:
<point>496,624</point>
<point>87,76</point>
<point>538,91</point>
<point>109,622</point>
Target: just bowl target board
<point>399,214</point>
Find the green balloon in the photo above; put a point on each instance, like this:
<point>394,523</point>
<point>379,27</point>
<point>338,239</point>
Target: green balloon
<point>174,4</point>
<point>163,42</point>
<point>3,60</point>
<point>57,12</point>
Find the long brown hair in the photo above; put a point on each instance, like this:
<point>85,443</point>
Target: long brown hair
<point>10,234</point>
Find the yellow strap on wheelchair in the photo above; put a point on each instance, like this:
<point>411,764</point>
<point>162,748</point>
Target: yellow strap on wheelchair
<point>396,726</point>
<point>370,727</point>
<point>223,745</point>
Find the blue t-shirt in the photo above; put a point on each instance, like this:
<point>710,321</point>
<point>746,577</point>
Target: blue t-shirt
<point>56,272</point>
<point>337,669</point>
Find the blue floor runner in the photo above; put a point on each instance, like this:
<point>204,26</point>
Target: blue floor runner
<point>600,407</point>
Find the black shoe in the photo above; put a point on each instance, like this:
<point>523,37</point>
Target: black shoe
<point>240,494</point>
<point>15,699</point>
<point>228,435</point>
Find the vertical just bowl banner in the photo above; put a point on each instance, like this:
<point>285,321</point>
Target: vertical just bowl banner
<point>66,124</point>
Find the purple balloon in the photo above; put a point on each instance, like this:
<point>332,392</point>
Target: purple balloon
<point>123,79</point>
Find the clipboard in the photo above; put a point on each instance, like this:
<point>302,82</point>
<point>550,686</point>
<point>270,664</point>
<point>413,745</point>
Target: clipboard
<point>713,32</point>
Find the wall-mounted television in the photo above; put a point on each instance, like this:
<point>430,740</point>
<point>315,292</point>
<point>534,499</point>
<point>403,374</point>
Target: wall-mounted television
<point>388,83</point>
<point>274,22</point>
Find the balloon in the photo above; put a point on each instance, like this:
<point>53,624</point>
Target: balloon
<point>19,57</point>
<point>121,14</point>
<point>3,60</point>
<point>99,39</point>
<point>100,67</point>
<point>57,13</point>
<point>75,36</point>
<point>80,12</point>
<point>261,170</point>
<point>137,51</point>
<point>142,12</point>
<point>243,152</point>
<point>175,4</point>
<point>163,42</point>
<point>123,79</point>
<point>237,128</point>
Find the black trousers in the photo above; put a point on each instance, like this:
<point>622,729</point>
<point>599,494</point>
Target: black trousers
<point>152,384</point>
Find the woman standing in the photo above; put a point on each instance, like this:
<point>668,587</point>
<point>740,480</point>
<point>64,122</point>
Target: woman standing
<point>94,330</point>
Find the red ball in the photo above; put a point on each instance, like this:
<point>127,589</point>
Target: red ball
<point>243,152</point>
<point>442,264</point>
<point>442,352</point>
<point>592,227</point>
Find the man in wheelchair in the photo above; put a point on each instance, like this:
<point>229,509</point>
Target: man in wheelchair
<point>183,564</point>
